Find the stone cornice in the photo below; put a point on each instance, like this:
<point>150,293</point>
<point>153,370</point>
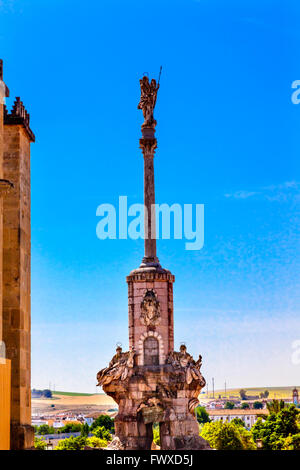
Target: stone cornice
<point>19,116</point>
<point>140,275</point>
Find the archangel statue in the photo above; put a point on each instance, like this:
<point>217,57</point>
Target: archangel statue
<point>118,368</point>
<point>184,360</point>
<point>148,100</point>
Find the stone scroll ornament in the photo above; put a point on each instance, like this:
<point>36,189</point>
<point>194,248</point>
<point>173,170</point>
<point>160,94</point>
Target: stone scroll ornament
<point>150,309</point>
<point>185,361</point>
<point>118,368</point>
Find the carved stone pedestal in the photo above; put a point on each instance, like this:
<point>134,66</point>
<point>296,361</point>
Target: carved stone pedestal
<point>22,436</point>
<point>157,394</point>
<point>151,382</point>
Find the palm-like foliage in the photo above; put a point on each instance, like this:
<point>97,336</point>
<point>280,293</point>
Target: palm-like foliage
<point>275,406</point>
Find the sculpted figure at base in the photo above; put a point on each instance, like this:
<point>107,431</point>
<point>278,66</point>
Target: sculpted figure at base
<point>184,360</point>
<point>118,367</point>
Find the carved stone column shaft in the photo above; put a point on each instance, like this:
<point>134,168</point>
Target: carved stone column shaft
<point>148,146</point>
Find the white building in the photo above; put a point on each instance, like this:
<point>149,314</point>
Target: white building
<point>38,422</point>
<point>249,416</point>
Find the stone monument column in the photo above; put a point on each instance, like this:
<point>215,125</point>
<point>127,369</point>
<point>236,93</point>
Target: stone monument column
<point>148,145</point>
<point>16,270</point>
<point>152,383</point>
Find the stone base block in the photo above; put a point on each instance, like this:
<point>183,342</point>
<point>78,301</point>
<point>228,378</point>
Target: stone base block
<point>157,395</point>
<point>184,443</point>
<point>21,436</point>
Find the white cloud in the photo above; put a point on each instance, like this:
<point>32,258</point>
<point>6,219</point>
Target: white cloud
<point>242,194</point>
<point>278,192</point>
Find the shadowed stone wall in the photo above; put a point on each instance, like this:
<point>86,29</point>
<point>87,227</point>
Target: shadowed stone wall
<point>16,271</point>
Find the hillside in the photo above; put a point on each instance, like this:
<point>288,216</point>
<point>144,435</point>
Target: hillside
<point>274,392</point>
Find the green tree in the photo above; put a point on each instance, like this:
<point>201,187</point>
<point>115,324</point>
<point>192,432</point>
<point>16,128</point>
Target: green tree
<point>102,433</point>
<point>85,429</point>
<point>227,436</point>
<point>276,428</point>
<point>72,443</point>
<point>45,429</point>
<point>202,415</point>
<point>96,442</point>
<point>70,427</point>
<point>103,420</point>
<point>292,442</point>
<point>257,405</point>
<point>243,394</point>
<point>275,406</point>
<point>229,405</point>
<point>39,443</point>
<point>245,406</point>
<point>238,422</point>
<point>156,434</point>
<point>246,438</point>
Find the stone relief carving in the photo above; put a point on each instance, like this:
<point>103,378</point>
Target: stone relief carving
<point>151,410</point>
<point>184,360</point>
<point>148,100</point>
<point>150,309</point>
<point>192,405</point>
<point>118,367</point>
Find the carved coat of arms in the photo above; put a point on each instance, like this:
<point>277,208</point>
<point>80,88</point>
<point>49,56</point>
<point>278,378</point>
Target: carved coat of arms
<point>150,309</point>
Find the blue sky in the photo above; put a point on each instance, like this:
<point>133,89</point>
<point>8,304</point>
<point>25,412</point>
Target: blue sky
<point>227,137</point>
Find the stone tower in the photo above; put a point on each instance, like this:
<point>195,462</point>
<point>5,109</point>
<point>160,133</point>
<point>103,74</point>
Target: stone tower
<point>5,187</point>
<point>152,383</point>
<point>295,396</point>
<point>15,167</point>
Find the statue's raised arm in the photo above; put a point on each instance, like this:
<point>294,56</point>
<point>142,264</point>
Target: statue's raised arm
<point>148,100</point>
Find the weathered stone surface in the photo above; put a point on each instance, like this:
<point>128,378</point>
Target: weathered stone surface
<point>156,394</point>
<point>115,444</point>
<point>22,436</point>
<point>15,241</point>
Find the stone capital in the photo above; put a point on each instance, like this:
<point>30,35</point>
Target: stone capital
<point>148,147</point>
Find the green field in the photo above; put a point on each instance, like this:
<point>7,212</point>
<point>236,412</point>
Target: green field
<point>274,392</point>
<point>72,394</point>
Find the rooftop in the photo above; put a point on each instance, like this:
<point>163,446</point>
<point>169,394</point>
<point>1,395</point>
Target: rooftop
<point>237,411</point>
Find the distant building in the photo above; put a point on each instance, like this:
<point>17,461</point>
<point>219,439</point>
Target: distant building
<point>88,420</point>
<point>295,396</point>
<point>248,416</point>
<point>38,422</point>
<point>220,404</point>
